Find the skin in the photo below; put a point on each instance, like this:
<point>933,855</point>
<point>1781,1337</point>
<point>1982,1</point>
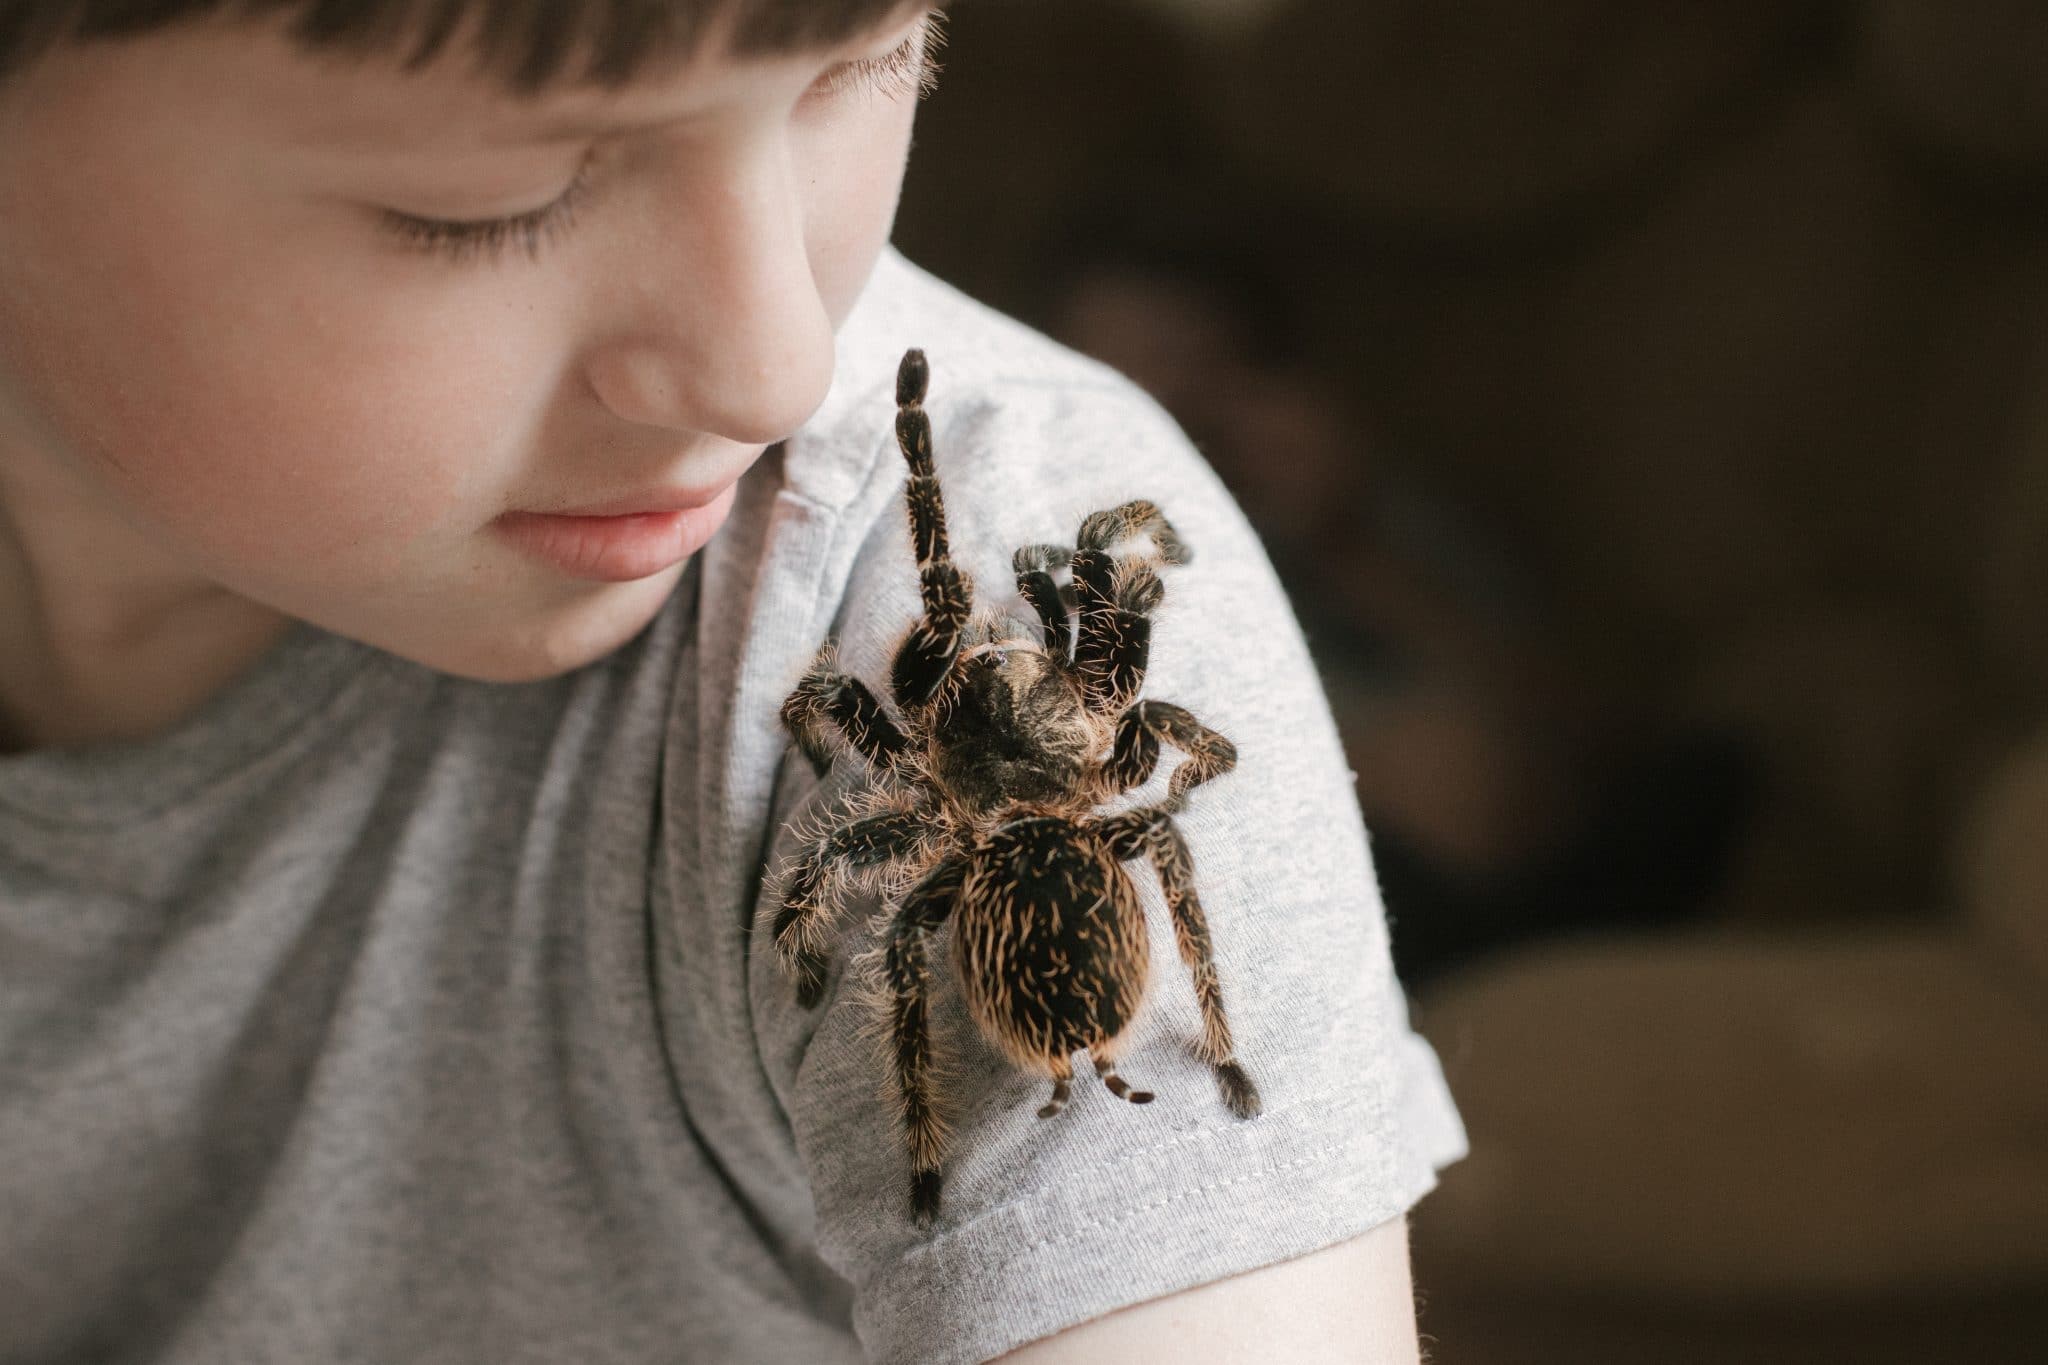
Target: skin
<point>228,400</point>
<point>1349,1304</point>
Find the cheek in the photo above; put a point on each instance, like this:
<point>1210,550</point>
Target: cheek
<point>255,418</point>
<point>856,175</point>
<point>215,365</point>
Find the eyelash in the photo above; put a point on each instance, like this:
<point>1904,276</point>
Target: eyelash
<point>911,69</point>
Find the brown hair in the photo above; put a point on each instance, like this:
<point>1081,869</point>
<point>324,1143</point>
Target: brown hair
<point>521,43</point>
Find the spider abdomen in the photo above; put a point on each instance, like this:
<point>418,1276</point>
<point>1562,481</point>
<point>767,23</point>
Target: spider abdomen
<point>1049,941</point>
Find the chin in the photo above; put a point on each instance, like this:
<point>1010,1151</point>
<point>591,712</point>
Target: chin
<point>551,642</point>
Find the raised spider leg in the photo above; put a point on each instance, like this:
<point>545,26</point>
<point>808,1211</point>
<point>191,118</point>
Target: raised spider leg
<point>926,655</point>
<point>1104,530</point>
<point>1114,599</point>
<point>1112,664</point>
<point>1136,752</point>
<point>924,909</point>
<point>1149,832</point>
<point>806,902</point>
<point>827,697</point>
<point>1034,565</point>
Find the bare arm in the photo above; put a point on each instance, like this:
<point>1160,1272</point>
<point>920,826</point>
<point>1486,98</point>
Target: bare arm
<point>1350,1304</point>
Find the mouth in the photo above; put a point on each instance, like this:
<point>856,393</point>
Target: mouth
<point>640,504</point>
<point>629,538</point>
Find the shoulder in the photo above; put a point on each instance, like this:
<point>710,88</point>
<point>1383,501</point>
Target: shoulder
<point>905,305</point>
<point>1050,1222</point>
<point>1020,422</point>
<point>1029,438</point>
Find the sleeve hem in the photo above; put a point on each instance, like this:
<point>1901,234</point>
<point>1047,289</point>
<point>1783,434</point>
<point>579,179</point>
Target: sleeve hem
<point>1328,1169</point>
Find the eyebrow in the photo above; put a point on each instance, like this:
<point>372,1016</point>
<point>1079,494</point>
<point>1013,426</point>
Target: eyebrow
<point>582,127</point>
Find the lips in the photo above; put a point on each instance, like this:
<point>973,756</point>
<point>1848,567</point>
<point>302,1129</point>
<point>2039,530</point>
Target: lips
<point>646,534</point>
<point>639,504</point>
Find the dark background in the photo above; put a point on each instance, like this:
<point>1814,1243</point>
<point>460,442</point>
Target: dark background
<point>1644,404</point>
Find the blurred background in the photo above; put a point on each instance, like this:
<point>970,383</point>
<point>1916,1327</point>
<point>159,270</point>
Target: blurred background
<point>1644,402</point>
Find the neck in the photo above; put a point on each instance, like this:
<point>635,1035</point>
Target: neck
<point>99,640</point>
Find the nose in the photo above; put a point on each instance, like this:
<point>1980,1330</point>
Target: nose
<point>725,329</point>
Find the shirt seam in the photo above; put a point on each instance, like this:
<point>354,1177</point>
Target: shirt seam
<point>1069,1233</point>
<point>1337,1108</point>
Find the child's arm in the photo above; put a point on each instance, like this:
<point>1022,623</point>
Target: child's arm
<point>1350,1304</point>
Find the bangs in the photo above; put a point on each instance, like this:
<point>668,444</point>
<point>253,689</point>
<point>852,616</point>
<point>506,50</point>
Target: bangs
<point>525,46</point>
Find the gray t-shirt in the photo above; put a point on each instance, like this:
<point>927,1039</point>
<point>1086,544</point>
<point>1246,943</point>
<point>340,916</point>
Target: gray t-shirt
<point>375,1015</point>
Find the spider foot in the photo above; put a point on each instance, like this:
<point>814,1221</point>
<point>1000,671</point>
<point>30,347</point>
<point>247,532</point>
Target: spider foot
<point>924,1197</point>
<point>1058,1100</point>
<point>810,981</point>
<point>1239,1093</point>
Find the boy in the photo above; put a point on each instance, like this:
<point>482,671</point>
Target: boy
<point>391,757</point>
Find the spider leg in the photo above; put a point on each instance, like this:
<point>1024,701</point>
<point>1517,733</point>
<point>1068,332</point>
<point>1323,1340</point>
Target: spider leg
<point>1034,565</point>
<point>1138,517</point>
<point>926,655</point>
<point>806,904</point>
<point>1113,596</point>
<point>1115,599</point>
<point>1149,832</point>
<point>1136,752</point>
<point>826,697</point>
<point>924,909</point>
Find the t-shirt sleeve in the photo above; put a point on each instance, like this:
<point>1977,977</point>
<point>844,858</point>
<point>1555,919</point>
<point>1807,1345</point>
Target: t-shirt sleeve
<point>1046,1223</point>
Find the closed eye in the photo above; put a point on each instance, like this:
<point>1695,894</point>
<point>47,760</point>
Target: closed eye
<point>911,69</point>
<point>462,239</point>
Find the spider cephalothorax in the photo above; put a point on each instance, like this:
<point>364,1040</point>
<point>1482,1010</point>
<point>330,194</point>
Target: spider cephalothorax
<point>984,811</point>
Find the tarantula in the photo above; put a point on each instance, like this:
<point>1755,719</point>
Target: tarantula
<point>984,812</point>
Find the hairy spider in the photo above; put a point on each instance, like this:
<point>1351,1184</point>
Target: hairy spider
<point>983,810</point>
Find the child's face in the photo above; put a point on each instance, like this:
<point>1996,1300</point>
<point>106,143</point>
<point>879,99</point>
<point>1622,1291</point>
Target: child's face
<point>221,368</point>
